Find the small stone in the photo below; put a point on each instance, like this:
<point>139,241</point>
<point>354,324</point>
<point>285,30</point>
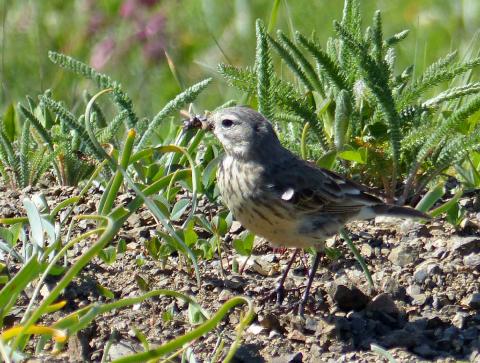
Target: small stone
<point>255,329</point>
<point>225,295</point>
<point>326,329</point>
<point>439,302</point>
<point>120,349</point>
<point>464,245</point>
<point>236,227</point>
<point>367,250</point>
<point>459,320</point>
<point>402,256</point>
<point>296,336</point>
<point>415,292</point>
<point>248,353</point>
<point>263,267</point>
<point>348,298</point>
<point>44,290</point>
<point>420,275</point>
<point>383,303</point>
<point>467,225</point>
<point>290,358</point>
<point>472,301</point>
<point>392,286</point>
<point>273,334</point>
<point>357,323</point>
<point>472,260</point>
<point>311,324</point>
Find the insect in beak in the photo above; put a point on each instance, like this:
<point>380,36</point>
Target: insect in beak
<point>198,122</point>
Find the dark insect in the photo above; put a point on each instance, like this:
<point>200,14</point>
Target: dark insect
<point>194,122</point>
<point>84,157</point>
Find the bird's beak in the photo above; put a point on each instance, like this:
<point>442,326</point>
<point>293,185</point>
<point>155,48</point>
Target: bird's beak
<point>207,122</point>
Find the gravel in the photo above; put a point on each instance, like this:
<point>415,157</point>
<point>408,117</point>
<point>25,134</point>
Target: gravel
<point>424,305</point>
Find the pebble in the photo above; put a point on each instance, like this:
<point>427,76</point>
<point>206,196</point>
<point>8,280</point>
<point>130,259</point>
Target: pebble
<point>415,292</point>
<point>255,329</point>
<point>473,301</point>
<point>420,275</point>
<point>120,349</point>
<point>367,250</point>
<point>236,227</point>
<point>225,295</point>
<point>383,303</point>
<point>402,256</point>
<point>290,358</point>
<point>296,336</point>
<point>472,260</point>
<point>464,245</point>
<point>348,298</point>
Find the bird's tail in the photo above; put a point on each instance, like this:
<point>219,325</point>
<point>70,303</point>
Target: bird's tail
<point>396,211</point>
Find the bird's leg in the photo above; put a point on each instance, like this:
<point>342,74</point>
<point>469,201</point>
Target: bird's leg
<point>311,275</point>
<point>280,290</point>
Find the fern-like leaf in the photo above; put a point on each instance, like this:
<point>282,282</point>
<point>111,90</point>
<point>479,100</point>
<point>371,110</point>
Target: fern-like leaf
<point>448,126</point>
<point>452,94</point>
<point>440,71</point>
<point>24,170</point>
<point>330,69</point>
<point>302,62</point>
<point>70,121</point>
<point>377,80</point>
<point>264,71</point>
<point>377,37</point>
<point>179,101</point>
<point>102,80</point>
<point>7,151</point>
<point>108,132</point>
<point>35,122</point>
<point>343,110</point>
<point>243,79</point>
<point>393,40</point>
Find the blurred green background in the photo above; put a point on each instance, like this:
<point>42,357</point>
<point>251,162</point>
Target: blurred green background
<point>128,39</point>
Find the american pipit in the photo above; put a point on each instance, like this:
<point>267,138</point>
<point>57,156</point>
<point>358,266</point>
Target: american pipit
<point>278,196</point>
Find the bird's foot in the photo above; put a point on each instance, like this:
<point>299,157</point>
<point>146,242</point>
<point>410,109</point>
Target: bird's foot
<point>278,295</point>
<point>297,307</point>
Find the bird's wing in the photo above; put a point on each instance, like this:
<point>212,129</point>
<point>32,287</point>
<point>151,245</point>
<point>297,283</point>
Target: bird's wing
<point>312,189</point>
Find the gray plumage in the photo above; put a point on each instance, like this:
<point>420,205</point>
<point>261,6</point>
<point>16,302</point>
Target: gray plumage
<point>279,196</point>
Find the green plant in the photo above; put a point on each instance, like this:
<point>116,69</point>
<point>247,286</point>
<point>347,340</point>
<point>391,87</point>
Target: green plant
<point>469,171</point>
<point>23,161</point>
<point>380,126</point>
<point>44,257</point>
<point>156,175</point>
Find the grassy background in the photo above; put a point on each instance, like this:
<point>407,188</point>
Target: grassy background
<point>127,39</point>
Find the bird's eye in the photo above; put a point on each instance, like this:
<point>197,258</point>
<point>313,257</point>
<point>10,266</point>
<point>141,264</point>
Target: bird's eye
<point>227,122</point>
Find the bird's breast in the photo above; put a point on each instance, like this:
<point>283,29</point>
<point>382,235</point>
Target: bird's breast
<point>241,185</point>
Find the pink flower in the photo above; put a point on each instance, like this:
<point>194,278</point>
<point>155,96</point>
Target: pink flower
<point>102,53</point>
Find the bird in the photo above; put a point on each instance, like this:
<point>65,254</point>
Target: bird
<point>278,196</point>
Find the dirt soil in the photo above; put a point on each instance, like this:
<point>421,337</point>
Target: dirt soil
<point>425,305</point>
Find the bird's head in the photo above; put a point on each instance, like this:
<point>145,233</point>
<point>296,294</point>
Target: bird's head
<point>243,132</point>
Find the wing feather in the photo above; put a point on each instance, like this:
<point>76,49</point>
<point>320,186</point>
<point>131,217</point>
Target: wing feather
<point>312,189</point>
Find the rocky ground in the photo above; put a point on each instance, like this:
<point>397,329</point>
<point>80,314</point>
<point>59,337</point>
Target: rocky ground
<point>424,307</point>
